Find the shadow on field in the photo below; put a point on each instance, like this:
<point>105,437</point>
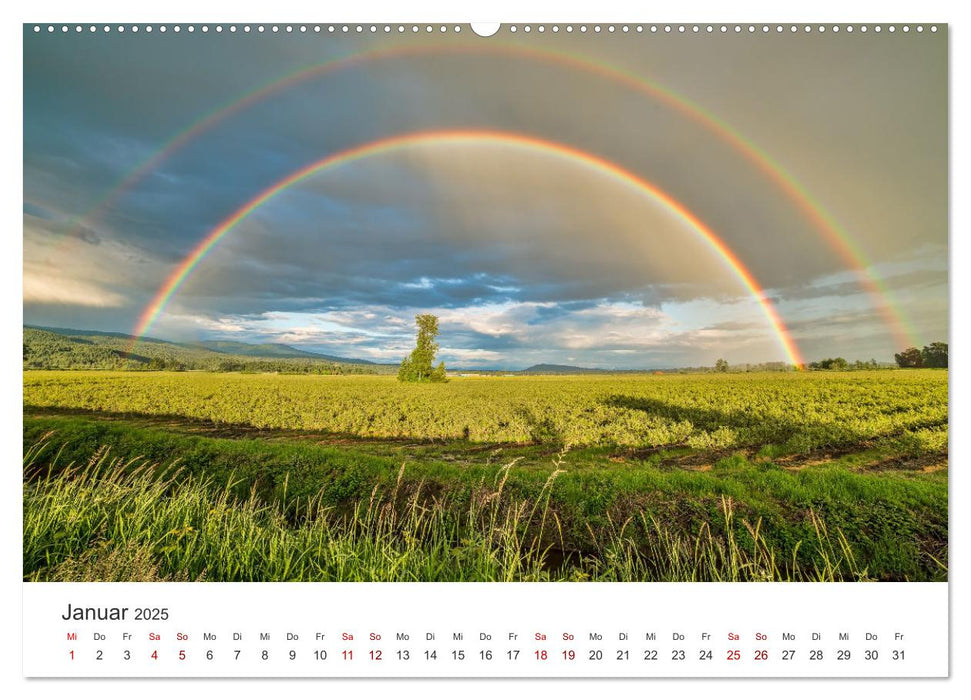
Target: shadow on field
<point>753,429</point>
<point>202,427</point>
<point>706,418</point>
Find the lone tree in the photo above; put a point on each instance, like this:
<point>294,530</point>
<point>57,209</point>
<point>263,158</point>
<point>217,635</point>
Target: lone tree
<point>417,367</point>
<point>911,357</point>
<point>721,365</point>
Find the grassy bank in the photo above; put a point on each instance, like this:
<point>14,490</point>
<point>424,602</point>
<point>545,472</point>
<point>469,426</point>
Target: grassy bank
<point>109,498</point>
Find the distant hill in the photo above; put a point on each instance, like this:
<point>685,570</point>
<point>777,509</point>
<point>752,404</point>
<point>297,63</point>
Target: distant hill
<point>65,348</point>
<point>561,369</point>
<point>68,348</point>
<point>74,332</point>
<point>570,369</point>
<point>234,347</point>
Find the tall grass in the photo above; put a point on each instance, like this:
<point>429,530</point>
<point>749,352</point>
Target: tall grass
<point>666,554</point>
<point>111,519</point>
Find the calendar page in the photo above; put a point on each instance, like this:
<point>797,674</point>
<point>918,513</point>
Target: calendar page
<point>520,350</point>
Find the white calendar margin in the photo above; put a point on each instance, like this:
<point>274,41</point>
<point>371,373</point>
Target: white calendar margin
<point>955,13</point>
<point>471,619</point>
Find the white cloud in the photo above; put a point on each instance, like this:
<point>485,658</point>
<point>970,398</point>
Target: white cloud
<point>43,284</point>
<point>71,266</point>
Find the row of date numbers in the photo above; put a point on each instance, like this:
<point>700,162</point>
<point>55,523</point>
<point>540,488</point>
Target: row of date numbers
<point>514,655</point>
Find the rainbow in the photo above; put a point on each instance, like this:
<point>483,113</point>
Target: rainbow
<point>464,137</point>
<point>835,235</point>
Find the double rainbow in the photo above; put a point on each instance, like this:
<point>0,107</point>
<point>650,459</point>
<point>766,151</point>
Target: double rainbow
<point>830,229</point>
<point>465,137</point>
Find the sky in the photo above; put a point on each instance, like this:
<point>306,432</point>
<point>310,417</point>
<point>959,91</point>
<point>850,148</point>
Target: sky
<point>526,256</point>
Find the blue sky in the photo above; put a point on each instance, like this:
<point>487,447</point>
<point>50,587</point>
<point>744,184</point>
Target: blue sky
<point>525,258</point>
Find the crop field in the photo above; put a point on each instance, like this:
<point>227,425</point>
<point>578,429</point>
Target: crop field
<point>796,412</point>
<point>761,476</point>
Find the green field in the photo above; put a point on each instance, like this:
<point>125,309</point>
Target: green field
<point>771,476</point>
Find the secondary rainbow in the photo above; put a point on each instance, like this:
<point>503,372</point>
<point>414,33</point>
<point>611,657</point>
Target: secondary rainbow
<point>460,137</point>
<point>832,231</point>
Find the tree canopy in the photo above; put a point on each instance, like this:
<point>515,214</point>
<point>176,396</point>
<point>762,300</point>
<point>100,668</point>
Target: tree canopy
<point>933,355</point>
<point>837,363</point>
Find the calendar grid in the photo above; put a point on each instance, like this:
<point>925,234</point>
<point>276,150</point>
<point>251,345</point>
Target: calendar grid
<point>482,630</point>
